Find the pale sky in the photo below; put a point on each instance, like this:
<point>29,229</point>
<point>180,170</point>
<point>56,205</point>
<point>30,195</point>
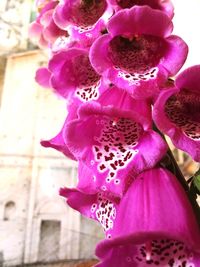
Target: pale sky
<point>187,26</point>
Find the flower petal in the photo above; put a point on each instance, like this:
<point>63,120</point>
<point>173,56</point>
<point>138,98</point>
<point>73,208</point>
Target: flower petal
<point>58,142</point>
<point>43,76</point>
<point>99,206</point>
<point>165,6</point>
<point>140,20</point>
<point>177,49</point>
<point>190,79</point>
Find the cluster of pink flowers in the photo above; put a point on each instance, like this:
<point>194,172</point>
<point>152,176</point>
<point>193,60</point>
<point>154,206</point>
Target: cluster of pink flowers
<point>112,61</point>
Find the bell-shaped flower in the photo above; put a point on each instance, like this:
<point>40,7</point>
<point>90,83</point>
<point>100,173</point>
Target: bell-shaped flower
<point>165,6</point>
<point>100,206</point>
<point>177,112</point>
<point>83,19</point>
<point>154,226</point>
<point>70,73</point>
<point>44,30</point>
<point>114,140</point>
<point>43,74</point>
<point>138,53</point>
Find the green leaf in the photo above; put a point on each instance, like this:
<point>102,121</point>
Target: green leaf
<point>196,180</point>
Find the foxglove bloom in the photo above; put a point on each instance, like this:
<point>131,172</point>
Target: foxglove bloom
<point>116,143</point>
<point>99,206</point>
<point>71,74</point>
<point>83,19</point>
<point>165,6</point>
<point>44,29</point>
<point>177,112</point>
<point>138,52</point>
<point>154,226</point>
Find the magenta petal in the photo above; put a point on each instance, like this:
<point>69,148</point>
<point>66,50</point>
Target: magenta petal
<point>116,257</point>
<point>190,79</point>
<point>99,206</point>
<point>61,17</point>
<point>86,179</point>
<point>182,126</point>
<point>79,201</point>
<point>98,49</point>
<point>59,65</point>
<point>46,18</point>
<point>147,158</point>
<point>177,49</point>
<point>140,20</point>
<point>119,97</point>
<point>43,76</point>
<point>165,6</point>
<point>145,223</point>
<point>35,30</point>
<point>58,143</point>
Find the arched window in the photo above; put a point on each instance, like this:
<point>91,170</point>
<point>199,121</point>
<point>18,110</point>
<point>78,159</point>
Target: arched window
<point>9,210</point>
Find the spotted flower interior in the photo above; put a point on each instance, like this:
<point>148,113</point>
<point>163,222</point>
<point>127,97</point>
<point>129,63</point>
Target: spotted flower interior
<point>104,210</point>
<point>158,252</point>
<point>131,3</point>
<point>183,109</point>
<point>87,12</point>
<point>137,56</point>
<point>88,80</point>
<point>115,147</point>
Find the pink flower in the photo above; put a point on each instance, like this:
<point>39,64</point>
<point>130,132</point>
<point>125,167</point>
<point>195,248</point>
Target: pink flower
<point>154,226</point>
<point>165,6</point>
<point>177,112</point>
<point>113,140</point>
<point>44,29</point>
<point>70,73</point>
<point>138,53</point>
<point>83,19</point>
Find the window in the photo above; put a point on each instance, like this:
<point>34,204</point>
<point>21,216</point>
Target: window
<point>49,241</point>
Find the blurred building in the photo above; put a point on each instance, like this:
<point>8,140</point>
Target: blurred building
<point>36,226</point>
